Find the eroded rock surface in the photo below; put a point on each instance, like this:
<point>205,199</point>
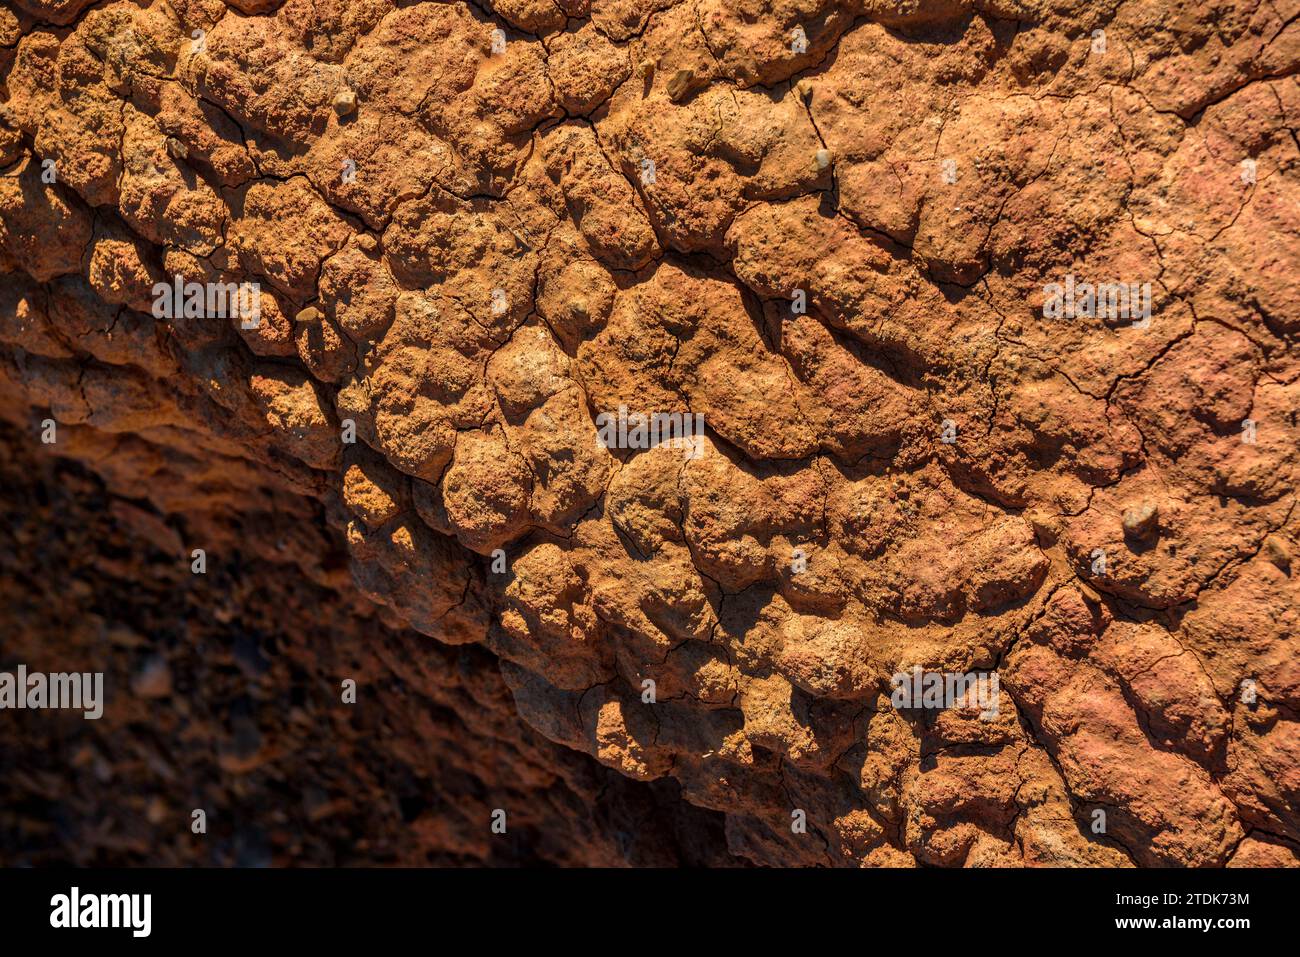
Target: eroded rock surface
<point>829,230</point>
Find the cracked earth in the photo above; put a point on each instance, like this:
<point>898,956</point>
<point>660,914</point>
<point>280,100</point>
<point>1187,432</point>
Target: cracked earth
<point>475,228</point>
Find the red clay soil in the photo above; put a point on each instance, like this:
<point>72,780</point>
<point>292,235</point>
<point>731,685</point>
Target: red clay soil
<point>988,310</point>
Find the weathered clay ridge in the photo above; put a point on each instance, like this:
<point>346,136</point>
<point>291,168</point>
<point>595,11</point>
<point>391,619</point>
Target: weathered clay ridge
<point>975,320</point>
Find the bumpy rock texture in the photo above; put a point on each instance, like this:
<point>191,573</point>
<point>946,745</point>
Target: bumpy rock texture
<point>828,228</point>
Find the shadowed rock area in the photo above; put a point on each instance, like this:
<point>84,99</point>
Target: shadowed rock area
<point>988,312</point>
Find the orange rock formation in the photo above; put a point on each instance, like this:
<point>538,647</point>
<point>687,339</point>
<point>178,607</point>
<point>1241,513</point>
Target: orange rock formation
<point>989,311</point>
